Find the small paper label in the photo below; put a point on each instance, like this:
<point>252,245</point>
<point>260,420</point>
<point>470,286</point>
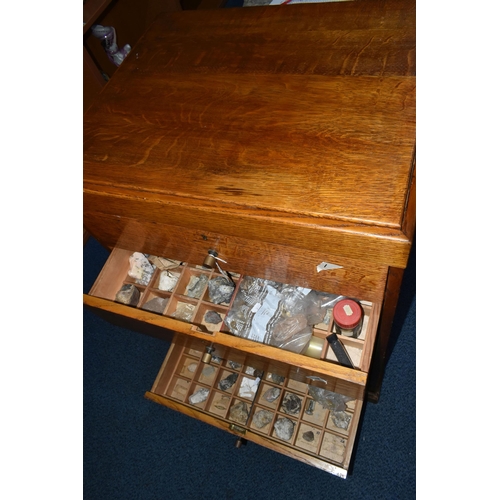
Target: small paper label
<point>348,310</point>
<point>256,307</point>
<point>327,266</point>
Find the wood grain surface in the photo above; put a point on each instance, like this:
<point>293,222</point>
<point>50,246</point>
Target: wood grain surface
<point>292,124</point>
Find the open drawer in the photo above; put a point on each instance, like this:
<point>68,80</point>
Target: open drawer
<point>307,417</point>
<point>205,352</point>
<point>180,310</point>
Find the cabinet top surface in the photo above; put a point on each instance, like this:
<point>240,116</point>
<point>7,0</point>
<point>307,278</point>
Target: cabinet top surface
<point>298,110</point>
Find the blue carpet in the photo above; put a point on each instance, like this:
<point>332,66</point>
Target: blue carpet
<point>136,449</point>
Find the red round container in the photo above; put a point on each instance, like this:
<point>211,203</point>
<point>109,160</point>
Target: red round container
<point>347,314</point>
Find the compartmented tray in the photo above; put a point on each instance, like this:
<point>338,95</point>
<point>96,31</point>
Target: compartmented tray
<point>267,402</point>
<point>189,301</point>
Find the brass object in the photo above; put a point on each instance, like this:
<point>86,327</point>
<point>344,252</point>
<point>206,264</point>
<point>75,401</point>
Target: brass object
<point>237,428</point>
<point>207,357</point>
<point>315,348</point>
<point>210,259</point>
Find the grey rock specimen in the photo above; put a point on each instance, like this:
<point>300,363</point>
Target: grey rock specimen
<point>284,428</point>
<point>128,295</point>
<point>308,436</point>
<point>234,365</point>
<point>228,382</point>
<point>340,419</point>
<point>291,404</point>
<point>156,305</point>
<point>272,394</point>
<point>212,317</point>
<point>220,290</point>
<point>277,379</point>
<point>199,396</point>
<point>329,400</point>
<point>310,407</point>
<point>262,417</point>
<point>239,412</point>
<point>208,370</point>
<point>196,286</point>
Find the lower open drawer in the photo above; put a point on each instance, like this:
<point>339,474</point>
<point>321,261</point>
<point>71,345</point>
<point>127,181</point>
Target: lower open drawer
<point>310,418</point>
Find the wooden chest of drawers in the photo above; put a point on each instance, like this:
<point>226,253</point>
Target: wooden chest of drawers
<point>282,138</point>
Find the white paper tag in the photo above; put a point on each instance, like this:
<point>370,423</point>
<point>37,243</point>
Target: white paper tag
<point>347,309</point>
<point>326,266</point>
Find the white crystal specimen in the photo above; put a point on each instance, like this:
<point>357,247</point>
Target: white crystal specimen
<point>168,280</point>
<point>140,268</point>
<point>248,387</point>
<point>199,396</point>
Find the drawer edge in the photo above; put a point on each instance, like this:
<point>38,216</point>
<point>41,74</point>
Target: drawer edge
<point>157,322</point>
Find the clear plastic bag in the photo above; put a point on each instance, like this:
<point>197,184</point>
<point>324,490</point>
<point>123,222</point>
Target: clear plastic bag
<point>276,314</point>
<point>329,400</point>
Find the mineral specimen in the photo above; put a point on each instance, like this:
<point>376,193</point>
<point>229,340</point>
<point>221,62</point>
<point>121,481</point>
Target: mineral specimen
<point>239,412</point>
<point>207,371</point>
<point>192,367</point>
<point>196,286</point>
<point>156,305</point>
<point>234,365</point>
<point>341,419</point>
<point>168,280</point>
<point>212,317</point>
<point>128,295</point>
<point>261,418</point>
<point>310,407</point>
<point>140,268</point>
<point>228,382</point>
<point>249,370</point>
<point>329,400</point>
<point>291,404</point>
<point>284,428</point>
<point>184,311</point>
<point>308,436</point>
<point>220,290</point>
<point>199,396</point>
<point>248,387</point>
<point>272,394</point>
<point>277,379</point>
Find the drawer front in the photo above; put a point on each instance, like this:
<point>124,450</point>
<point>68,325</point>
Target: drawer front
<point>285,264</point>
<point>267,402</point>
<point>188,314</point>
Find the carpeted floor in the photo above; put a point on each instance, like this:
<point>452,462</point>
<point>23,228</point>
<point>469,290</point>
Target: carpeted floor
<point>136,449</point>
